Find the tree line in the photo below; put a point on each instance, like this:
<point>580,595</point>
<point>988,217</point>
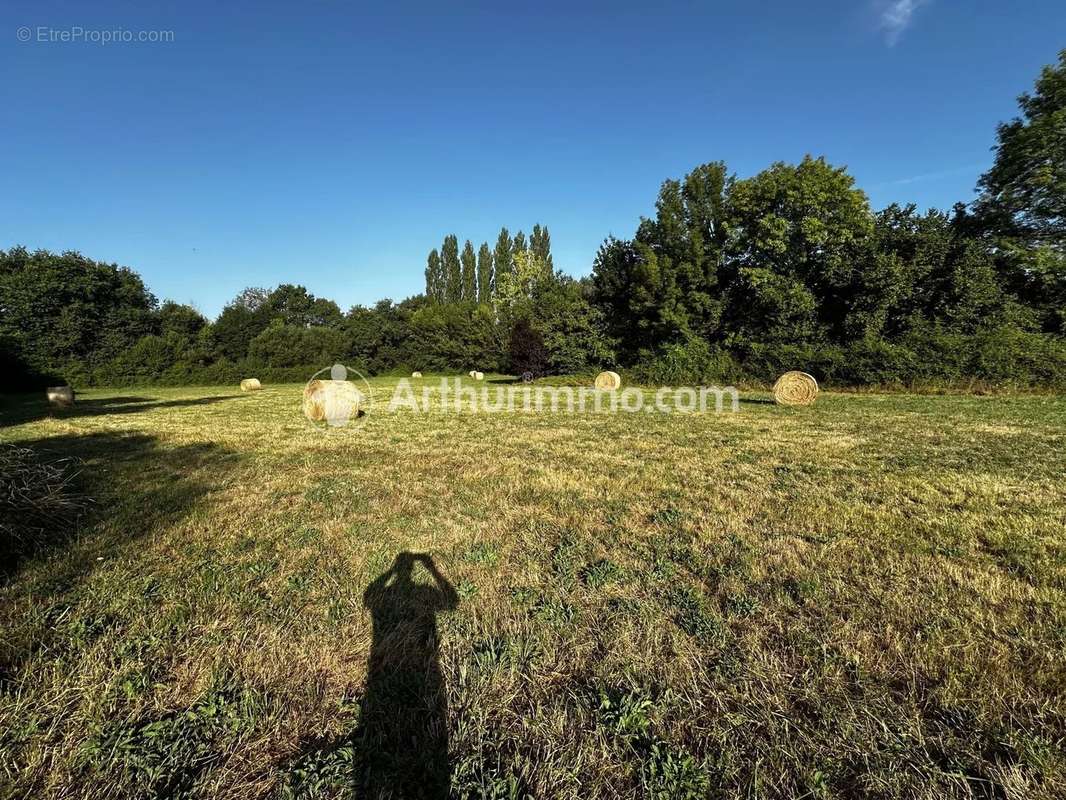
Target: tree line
<point>452,277</point>
<point>731,279</point>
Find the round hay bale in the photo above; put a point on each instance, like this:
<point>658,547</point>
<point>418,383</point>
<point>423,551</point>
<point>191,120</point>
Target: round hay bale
<point>251,385</point>
<point>60,395</point>
<point>332,402</point>
<point>416,374</point>
<point>479,376</point>
<point>795,389</point>
<point>472,373</point>
<point>608,381</point>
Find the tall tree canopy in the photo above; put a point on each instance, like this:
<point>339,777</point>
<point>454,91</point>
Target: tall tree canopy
<point>541,244</point>
<point>484,273</point>
<point>501,256</point>
<point>1024,193</point>
<point>1022,206</point>
<point>66,313</point>
<point>453,275</point>
<point>469,273</point>
<point>434,277</point>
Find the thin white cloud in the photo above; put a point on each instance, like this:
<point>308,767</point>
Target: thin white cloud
<point>933,176</point>
<point>896,17</point>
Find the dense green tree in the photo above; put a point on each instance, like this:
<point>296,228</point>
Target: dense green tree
<point>379,335</point>
<point>294,305</point>
<point>1037,276</point>
<point>688,238</point>
<point>615,292</point>
<point>251,312</point>
<point>180,319</point>
<point>434,277</point>
<point>469,273</point>
<point>807,222</point>
<point>766,306</point>
<point>253,298</point>
<point>284,345</point>
<point>151,357</point>
<point>236,326</point>
<point>325,312</point>
<point>453,275</point>
<point>291,304</point>
<point>664,286</point>
<point>516,290</point>
<point>518,244</point>
<point>937,274</point>
<point>66,314</point>
<point>1023,195</point>
<point>453,337</point>
<point>914,246</point>
<point>541,244</point>
<point>571,327</point>
<point>484,273</point>
<point>526,351</point>
<point>502,255</point>
<point>1022,206</point>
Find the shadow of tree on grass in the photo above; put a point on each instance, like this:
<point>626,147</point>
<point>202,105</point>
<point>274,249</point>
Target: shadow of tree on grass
<point>19,409</point>
<point>132,486</point>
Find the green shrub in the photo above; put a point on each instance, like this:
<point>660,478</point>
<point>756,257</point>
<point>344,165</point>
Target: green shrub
<point>290,346</point>
<point>1010,357</point>
<point>877,362</point>
<point>766,362</point>
<point>693,362</point>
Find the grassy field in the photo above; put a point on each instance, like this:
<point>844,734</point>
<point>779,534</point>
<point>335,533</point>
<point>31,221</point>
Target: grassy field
<point>865,598</point>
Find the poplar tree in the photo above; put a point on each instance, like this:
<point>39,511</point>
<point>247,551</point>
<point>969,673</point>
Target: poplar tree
<point>469,273</point>
<point>434,277</point>
<point>453,277</point>
<point>541,244</point>
<point>502,256</point>
<point>484,273</point>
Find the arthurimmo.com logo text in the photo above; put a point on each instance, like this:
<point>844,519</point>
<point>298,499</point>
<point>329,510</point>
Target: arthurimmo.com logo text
<point>455,396</point>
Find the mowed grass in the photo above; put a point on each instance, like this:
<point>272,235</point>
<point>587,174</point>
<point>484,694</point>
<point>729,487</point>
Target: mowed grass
<point>865,598</point>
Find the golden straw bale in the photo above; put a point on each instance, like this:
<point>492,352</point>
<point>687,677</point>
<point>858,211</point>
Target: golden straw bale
<point>334,402</point>
<point>251,385</point>
<point>795,388</point>
<point>608,381</point>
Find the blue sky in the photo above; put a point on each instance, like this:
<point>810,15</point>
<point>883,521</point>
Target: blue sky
<point>334,143</point>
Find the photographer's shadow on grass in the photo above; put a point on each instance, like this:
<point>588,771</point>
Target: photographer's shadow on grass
<point>401,745</point>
